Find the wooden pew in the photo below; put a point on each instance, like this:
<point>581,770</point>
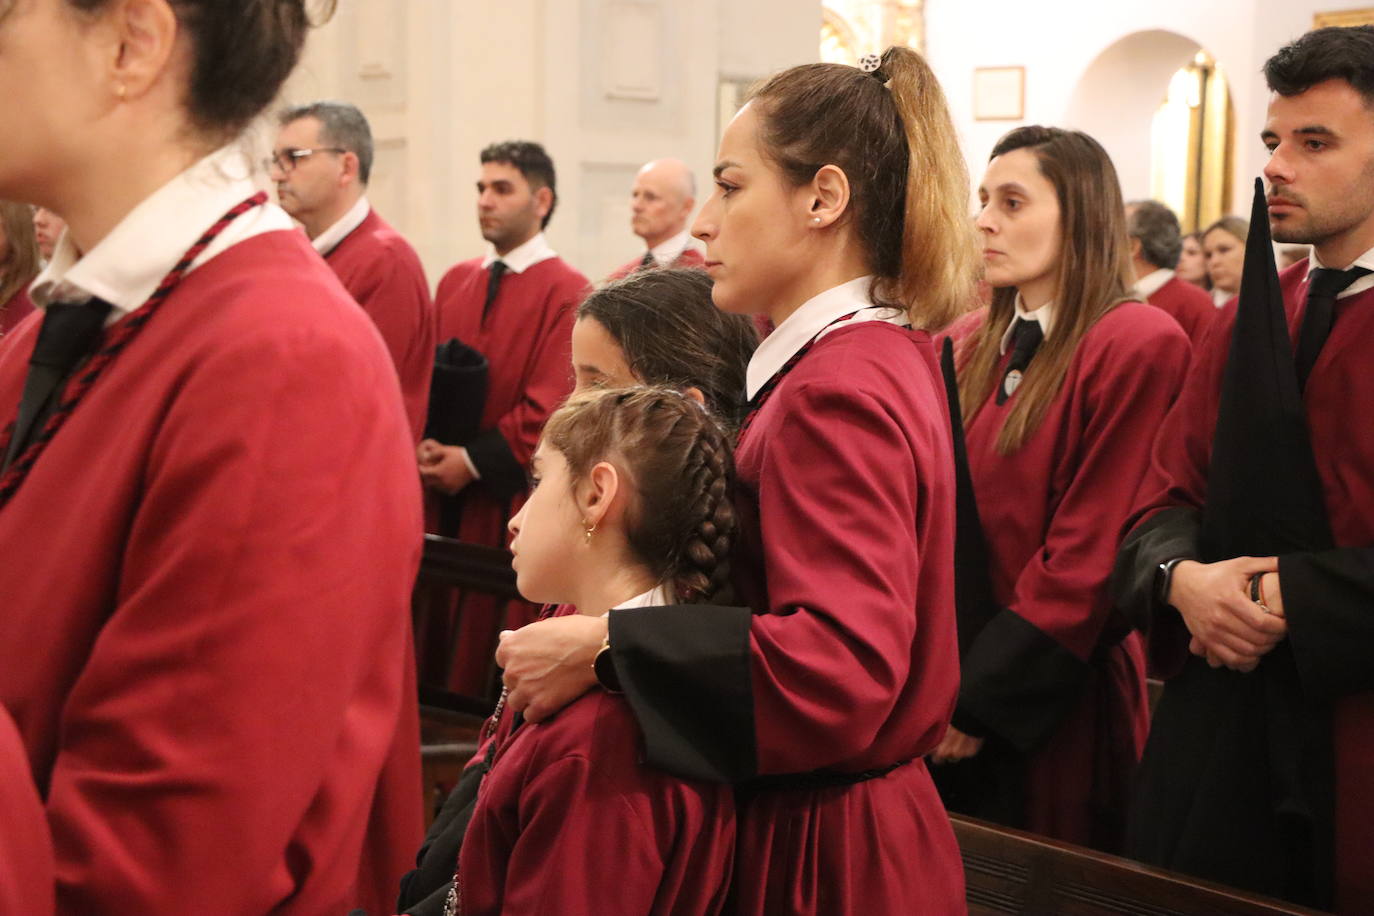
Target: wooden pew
<point>1009,871</point>
<point>449,722</point>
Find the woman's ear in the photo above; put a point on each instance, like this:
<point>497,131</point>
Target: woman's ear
<point>828,196</point>
<point>596,496</point>
<point>695,394</point>
<point>144,34</point>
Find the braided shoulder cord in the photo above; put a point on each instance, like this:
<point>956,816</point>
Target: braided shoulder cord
<point>119,336</point>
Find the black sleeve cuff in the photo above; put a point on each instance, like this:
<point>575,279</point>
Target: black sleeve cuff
<point>1019,682</point>
<point>966,723</point>
<point>1167,535</point>
<point>1327,599</point>
<point>685,672</point>
<point>501,474</point>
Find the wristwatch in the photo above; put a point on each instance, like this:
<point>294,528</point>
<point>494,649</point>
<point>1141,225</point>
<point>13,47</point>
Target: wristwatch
<point>603,666</point>
<point>1165,577</point>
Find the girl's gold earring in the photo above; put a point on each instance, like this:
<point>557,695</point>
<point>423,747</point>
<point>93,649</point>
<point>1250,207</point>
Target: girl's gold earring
<point>588,530</point>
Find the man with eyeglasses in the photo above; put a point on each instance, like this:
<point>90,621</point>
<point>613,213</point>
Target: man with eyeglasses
<point>321,164</point>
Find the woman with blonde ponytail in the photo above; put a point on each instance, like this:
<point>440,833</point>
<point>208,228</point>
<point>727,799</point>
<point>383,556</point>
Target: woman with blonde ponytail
<point>1064,380</point>
<point>840,215</point>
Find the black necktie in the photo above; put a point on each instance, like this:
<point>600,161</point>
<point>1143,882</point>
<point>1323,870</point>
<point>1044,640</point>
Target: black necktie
<point>498,270</point>
<point>1025,339</point>
<point>647,261</point>
<point>67,336</point>
<point>1323,286</point>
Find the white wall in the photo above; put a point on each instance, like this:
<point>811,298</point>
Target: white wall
<point>605,85</point>
<point>1057,41</point>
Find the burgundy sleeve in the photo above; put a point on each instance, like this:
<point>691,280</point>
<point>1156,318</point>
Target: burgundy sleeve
<point>397,300</point>
<point>251,678</point>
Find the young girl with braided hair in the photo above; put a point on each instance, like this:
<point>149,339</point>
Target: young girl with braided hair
<point>821,696</point>
<point>630,507</point>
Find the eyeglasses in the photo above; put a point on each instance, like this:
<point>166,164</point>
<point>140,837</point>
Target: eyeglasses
<point>286,160</point>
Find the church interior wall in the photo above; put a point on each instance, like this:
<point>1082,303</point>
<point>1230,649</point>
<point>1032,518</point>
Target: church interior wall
<point>1059,41</point>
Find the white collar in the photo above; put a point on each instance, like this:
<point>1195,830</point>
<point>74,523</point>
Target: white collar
<point>1153,282</point>
<point>1044,315</point>
<point>816,317</point>
<point>522,257</point>
<point>658,596</point>
<point>126,266</point>
<point>668,252</point>
<point>330,238</point>
<point>1221,297</point>
<point>1365,260</point>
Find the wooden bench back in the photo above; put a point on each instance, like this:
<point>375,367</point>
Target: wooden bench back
<point>1009,871</point>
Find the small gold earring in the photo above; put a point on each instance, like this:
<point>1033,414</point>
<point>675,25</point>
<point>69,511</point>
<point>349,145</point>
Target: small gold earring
<point>589,530</point>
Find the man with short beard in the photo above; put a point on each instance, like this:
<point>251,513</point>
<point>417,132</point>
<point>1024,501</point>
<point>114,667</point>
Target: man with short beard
<point>1256,773</point>
<point>515,305</point>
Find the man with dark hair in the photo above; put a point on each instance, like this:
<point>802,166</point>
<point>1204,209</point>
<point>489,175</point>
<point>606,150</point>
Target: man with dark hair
<point>1253,555</point>
<point>514,305</point>
<point>661,203</point>
<point>1156,243</point>
<point>321,163</point>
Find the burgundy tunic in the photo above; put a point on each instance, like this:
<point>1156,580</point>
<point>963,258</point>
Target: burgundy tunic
<point>14,311</point>
<point>569,820</point>
<point>690,257</point>
<point>527,339</point>
<point>1189,305</point>
<point>205,638</point>
<point>1052,514</point>
<point>1337,398</point>
<point>846,491</point>
<point>26,863</point>
<point>382,272</point>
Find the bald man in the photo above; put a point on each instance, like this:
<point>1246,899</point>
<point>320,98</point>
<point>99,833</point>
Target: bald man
<point>661,203</point>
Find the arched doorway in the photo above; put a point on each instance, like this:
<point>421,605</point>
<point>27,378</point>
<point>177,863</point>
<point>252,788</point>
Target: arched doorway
<point>1159,102</point>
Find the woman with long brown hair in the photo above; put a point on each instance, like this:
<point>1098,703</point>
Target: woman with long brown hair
<point>205,637</point>
<point>840,214</point>
<point>19,262</point>
<point>1063,381</point>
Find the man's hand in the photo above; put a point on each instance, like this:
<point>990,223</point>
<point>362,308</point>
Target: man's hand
<point>1214,600</point>
<point>548,664</point>
<point>955,746</point>
<point>443,467</point>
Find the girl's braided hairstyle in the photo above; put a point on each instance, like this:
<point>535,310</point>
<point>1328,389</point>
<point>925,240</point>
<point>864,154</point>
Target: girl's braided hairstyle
<point>677,462</point>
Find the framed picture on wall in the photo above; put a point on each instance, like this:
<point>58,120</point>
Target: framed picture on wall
<point>999,93</point>
<point>1344,18</point>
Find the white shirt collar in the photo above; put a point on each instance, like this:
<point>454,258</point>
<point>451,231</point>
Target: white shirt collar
<point>126,266</point>
<point>1153,282</point>
<point>523,257</point>
<point>658,596</point>
<point>1365,260</point>
<point>330,238</point>
<point>816,317</point>
<point>668,252</point>
<point>1221,297</point>
<point>1044,315</point>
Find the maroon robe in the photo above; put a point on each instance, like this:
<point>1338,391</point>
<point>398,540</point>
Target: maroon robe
<point>382,272</point>
<point>1046,675</point>
<point>205,636</point>
<point>845,676</point>
<point>15,310</point>
<point>690,257</point>
<point>569,820</point>
<point>1190,306</point>
<point>26,862</point>
<point>1326,602</point>
<point>527,339</point>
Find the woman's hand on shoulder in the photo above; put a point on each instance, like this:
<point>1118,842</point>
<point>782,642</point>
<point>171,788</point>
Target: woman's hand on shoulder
<point>548,664</point>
